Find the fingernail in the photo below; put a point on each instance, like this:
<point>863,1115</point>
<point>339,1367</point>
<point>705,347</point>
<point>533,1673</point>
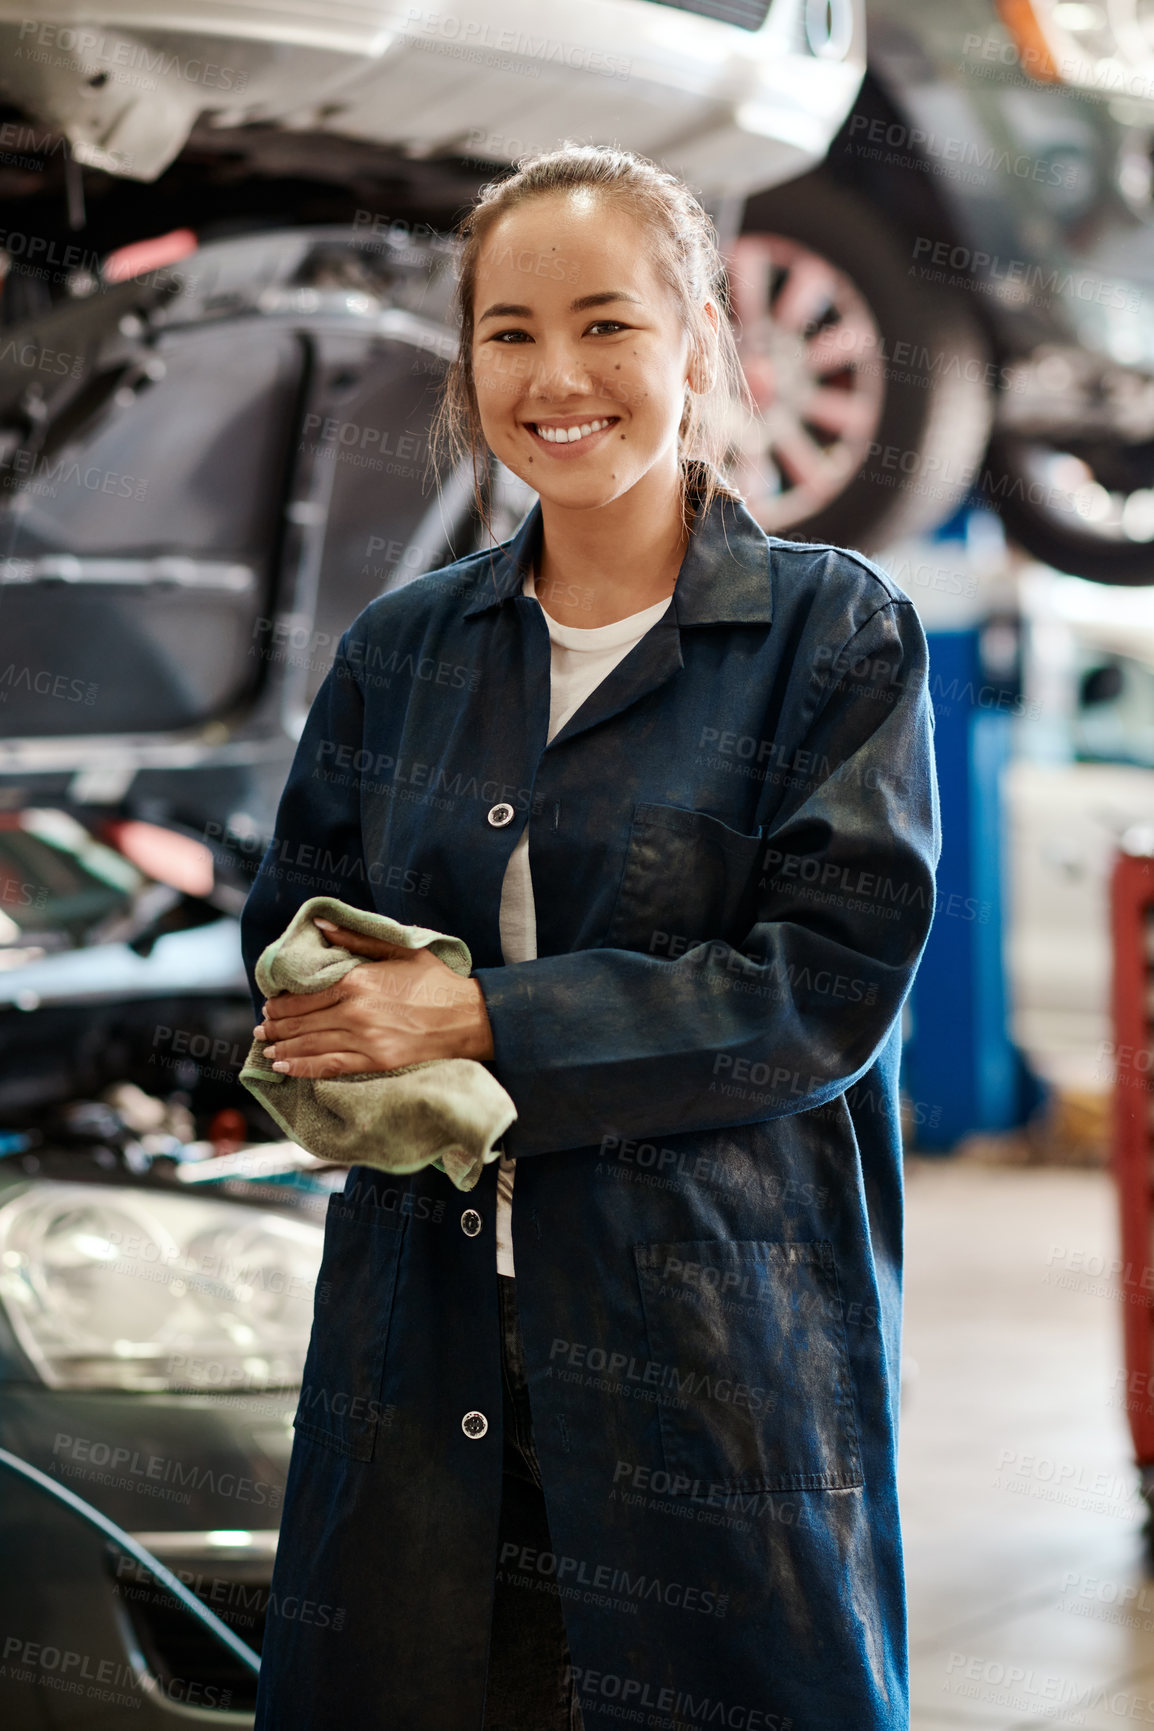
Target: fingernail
<point>282,1064</point>
<point>329,925</point>
<point>270,1051</point>
<point>256,1033</point>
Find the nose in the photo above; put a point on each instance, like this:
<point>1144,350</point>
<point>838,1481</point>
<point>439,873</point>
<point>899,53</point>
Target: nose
<point>558,370</point>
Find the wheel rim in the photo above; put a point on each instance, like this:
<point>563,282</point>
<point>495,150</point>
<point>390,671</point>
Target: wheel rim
<point>811,351</point>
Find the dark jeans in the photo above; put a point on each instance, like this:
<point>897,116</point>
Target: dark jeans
<point>528,1687</point>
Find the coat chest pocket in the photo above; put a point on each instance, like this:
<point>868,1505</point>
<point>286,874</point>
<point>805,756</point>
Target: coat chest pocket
<point>340,1400</point>
<point>756,1387</point>
<point>687,877</point>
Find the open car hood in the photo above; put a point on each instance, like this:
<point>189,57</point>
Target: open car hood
<point>187,531</point>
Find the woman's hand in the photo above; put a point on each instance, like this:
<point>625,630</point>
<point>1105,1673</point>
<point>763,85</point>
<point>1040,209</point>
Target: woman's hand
<point>405,1008</point>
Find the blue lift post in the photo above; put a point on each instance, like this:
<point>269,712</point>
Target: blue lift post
<point>960,1069</point>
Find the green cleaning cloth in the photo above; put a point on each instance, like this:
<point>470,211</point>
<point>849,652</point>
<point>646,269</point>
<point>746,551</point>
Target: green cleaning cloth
<point>446,1112</point>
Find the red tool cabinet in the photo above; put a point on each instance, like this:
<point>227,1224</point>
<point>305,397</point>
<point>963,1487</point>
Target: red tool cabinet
<point>1132,915</point>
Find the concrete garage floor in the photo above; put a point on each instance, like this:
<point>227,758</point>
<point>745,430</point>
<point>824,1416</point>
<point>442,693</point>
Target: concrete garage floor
<point>1030,1602</point>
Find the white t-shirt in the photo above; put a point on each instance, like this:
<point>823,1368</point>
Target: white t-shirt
<point>580,658</point>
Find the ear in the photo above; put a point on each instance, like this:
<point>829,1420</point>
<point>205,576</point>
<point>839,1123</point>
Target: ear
<point>702,373</point>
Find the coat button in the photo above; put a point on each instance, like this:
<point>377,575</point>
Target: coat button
<point>500,815</point>
<point>474,1425</point>
<point>470,1223</point>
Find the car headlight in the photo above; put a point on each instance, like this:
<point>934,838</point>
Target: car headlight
<point>127,1290</point>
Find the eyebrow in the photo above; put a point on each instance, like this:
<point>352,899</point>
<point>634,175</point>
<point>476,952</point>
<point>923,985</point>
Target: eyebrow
<point>504,310</point>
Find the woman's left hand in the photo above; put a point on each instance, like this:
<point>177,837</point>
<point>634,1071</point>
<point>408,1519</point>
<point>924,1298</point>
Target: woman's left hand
<point>405,1008</point>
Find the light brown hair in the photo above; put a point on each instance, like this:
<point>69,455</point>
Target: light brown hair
<point>683,247</point>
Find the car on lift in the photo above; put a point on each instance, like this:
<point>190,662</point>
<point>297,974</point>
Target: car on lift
<point>398,114</point>
<point>1010,147</point>
<point>977,243</point>
<point>940,276</point>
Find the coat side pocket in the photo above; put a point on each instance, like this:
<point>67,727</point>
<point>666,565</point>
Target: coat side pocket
<point>340,1404</point>
<point>756,1386</point>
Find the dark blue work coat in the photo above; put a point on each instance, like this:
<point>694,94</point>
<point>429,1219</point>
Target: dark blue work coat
<point>733,847</point>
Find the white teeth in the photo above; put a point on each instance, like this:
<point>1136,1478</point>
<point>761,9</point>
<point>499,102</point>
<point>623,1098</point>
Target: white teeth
<point>566,435</point>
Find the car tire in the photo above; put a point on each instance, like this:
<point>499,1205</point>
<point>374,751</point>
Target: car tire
<point>1039,515</point>
<point>916,360</point>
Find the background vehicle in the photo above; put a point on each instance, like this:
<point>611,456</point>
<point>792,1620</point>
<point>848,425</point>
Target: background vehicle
<point>238,465</point>
<point>156,1289</point>
<point>1011,147</point>
<point>400,118</point>
<point>968,249</point>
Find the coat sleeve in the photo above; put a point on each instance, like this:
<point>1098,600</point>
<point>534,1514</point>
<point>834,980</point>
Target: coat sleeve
<point>316,848</point>
<point>612,1042</point>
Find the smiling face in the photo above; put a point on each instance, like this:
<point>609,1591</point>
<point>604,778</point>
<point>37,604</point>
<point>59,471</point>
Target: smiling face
<point>580,357</point>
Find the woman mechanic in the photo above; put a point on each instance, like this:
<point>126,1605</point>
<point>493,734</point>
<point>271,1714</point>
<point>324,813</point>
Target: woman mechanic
<point>612,1439</point>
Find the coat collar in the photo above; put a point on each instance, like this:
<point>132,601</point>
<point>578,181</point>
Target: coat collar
<point>724,576</point>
